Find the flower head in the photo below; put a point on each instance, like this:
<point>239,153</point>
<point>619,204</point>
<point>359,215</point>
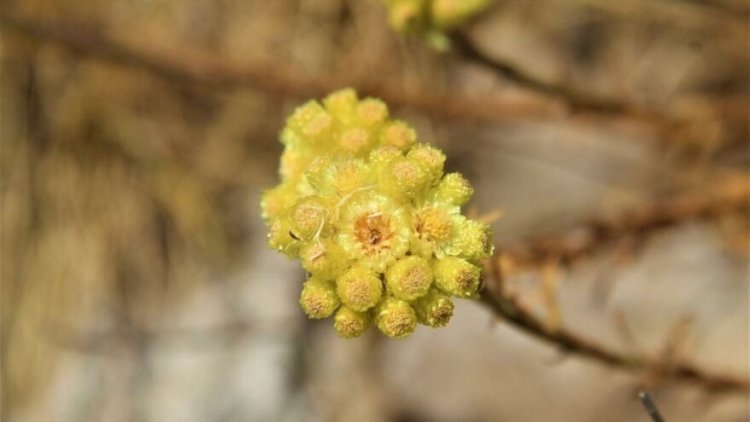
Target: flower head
<point>324,259</point>
<point>376,224</point>
<point>409,278</point>
<point>457,277</point>
<point>349,323</point>
<point>396,318</point>
<point>318,298</point>
<point>434,309</point>
<point>454,189</point>
<point>374,231</point>
<point>359,288</point>
<point>435,227</point>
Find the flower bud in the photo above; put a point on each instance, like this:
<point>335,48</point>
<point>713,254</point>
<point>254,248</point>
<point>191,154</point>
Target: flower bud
<point>434,228</point>
<point>395,318</point>
<point>342,104</point>
<point>323,258</point>
<point>371,112</point>
<point>292,165</point>
<point>453,189</point>
<point>404,179</point>
<point>356,141</point>
<point>474,240</point>
<point>447,14</point>
<point>310,217</point>
<point>409,278</point>
<point>457,277</point>
<point>406,15</point>
<point>399,134</point>
<point>281,239</point>
<point>277,201</point>
<point>318,298</point>
<point>310,125</point>
<point>349,323</point>
<point>383,155</point>
<point>434,309</point>
<point>359,288</point>
<point>346,176</point>
<point>432,159</point>
<point>316,173</point>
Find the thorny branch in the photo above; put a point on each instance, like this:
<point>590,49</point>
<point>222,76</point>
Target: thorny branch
<point>732,193</point>
<point>728,196</point>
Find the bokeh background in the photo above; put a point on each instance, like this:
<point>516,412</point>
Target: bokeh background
<point>138,136</point>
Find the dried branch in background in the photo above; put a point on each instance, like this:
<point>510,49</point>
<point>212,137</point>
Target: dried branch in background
<point>577,101</point>
<point>730,195</point>
<point>195,67</point>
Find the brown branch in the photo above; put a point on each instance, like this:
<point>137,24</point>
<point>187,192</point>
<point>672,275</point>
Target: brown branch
<point>696,16</point>
<point>188,66</point>
<point>579,102</point>
<point>511,310</point>
<point>731,195</point>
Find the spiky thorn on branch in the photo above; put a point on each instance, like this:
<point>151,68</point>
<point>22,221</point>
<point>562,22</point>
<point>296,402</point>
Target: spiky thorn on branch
<point>731,195</point>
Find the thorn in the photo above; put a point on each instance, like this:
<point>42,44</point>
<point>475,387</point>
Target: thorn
<point>648,403</point>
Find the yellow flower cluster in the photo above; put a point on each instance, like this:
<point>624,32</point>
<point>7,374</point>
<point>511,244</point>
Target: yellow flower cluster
<point>373,219</point>
<point>432,18</point>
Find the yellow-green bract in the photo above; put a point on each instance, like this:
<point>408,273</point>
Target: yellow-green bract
<point>373,219</point>
<point>432,18</point>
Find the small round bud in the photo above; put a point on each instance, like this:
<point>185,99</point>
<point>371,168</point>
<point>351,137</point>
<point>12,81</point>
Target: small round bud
<point>355,141</point>
<point>447,14</point>
<point>310,123</point>
<point>359,288</point>
<point>434,227</point>
<point>409,278</point>
<point>395,318</point>
<point>342,104</point>
<point>316,172</point>
<point>281,239</point>
<point>404,178</point>
<point>434,309</point>
<point>292,165</point>
<point>318,298</point>
<point>310,217</point>
<point>405,16</point>
<point>473,240</point>
<point>382,155</point>
<point>347,176</point>
<point>323,258</point>
<point>277,201</point>
<point>349,323</point>
<point>453,189</point>
<point>457,277</point>
<point>399,134</point>
<point>371,112</point>
<point>432,159</point>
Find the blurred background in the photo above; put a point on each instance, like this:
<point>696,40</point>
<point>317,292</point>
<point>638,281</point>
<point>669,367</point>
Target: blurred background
<point>138,136</point>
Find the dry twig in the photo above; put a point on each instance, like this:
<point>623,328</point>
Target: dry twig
<point>729,194</point>
<point>194,67</point>
<point>733,194</point>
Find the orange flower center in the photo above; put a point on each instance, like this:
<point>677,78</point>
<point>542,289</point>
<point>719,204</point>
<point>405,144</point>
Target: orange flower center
<point>433,225</point>
<point>373,232</point>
